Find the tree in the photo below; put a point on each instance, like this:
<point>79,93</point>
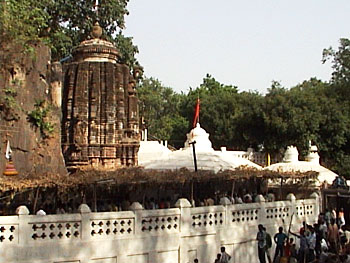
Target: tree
<point>22,21</point>
<point>217,111</point>
<point>338,128</point>
<point>63,24</point>
<point>340,60</point>
<point>250,125</point>
<point>160,108</point>
<point>72,20</point>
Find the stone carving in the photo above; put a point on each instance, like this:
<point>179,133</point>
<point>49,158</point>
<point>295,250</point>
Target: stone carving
<point>100,125</point>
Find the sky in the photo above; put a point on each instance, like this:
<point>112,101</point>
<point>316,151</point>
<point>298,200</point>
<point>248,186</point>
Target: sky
<point>246,43</point>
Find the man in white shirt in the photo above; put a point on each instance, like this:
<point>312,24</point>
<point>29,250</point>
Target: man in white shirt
<point>311,241</point>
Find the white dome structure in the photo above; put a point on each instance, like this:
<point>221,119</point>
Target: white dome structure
<point>291,163</point>
<point>201,137</point>
<point>207,158</point>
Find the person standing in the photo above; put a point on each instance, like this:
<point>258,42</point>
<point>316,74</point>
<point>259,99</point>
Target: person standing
<point>304,248</point>
<point>333,236</point>
<point>268,246</point>
<point>311,240</point>
<point>341,218</point>
<point>261,237</point>
<point>279,239</point>
<point>225,258</point>
<point>327,217</point>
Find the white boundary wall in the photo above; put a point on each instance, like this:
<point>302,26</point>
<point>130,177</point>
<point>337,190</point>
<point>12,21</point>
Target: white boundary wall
<point>149,236</point>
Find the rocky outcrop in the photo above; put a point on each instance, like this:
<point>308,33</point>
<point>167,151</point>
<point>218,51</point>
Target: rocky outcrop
<point>30,110</point>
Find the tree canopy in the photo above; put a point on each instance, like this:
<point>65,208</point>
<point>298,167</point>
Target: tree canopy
<point>313,111</point>
<point>63,24</point>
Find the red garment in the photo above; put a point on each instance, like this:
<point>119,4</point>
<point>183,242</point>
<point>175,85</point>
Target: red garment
<point>161,205</point>
<point>287,251</point>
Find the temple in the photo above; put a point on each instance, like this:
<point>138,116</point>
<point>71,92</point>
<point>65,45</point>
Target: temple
<point>100,124</point>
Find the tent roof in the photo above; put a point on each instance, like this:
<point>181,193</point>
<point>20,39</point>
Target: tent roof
<point>137,175</point>
<point>323,174</point>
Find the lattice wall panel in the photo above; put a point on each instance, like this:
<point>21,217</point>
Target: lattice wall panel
<point>245,216</point>
<point>110,228</point>
<point>161,224</point>
<point>8,233</point>
<point>56,231</point>
<point>208,220</point>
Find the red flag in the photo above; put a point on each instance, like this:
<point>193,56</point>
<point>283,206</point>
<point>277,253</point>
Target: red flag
<point>196,114</point>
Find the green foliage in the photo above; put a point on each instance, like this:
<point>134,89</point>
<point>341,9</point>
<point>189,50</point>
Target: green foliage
<point>22,21</point>
<point>39,118</point>
<point>9,98</point>
<point>160,108</point>
<point>63,24</point>
<point>127,49</point>
<point>71,22</point>
<point>8,104</point>
<point>340,60</point>
<point>218,110</point>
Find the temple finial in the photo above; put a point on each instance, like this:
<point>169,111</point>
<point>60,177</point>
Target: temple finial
<point>96,31</point>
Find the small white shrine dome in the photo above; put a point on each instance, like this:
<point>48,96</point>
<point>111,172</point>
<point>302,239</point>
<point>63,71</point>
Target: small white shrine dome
<point>291,163</point>
<point>313,156</point>
<point>313,148</point>
<point>291,154</point>
<point>201,139</point>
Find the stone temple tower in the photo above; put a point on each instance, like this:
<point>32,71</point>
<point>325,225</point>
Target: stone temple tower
<point>100,125</point>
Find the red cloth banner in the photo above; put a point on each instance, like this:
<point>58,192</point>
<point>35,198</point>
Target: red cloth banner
<point>196,114</point>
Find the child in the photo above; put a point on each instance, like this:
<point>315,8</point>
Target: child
<point>287,247</point>
<point>218,258</point>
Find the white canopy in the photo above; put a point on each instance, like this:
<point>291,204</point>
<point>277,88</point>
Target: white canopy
<point>207,157</point>
<point>291,163</point>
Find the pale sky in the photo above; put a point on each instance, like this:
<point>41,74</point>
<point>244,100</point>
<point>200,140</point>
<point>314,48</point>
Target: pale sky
<point>246,43</point>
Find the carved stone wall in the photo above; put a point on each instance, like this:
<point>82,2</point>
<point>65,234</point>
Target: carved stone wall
<point>99,106</point>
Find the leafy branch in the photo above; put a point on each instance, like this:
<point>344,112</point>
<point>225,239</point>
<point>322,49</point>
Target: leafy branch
<point>8,103</point>
<point>39,118</point>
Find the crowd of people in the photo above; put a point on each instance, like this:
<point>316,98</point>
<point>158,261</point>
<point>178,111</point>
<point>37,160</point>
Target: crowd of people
<point>327,241</point>
<point>222,257</point>
<point>151,203</point>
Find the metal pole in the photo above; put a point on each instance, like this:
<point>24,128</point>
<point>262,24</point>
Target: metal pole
<point>195,168</point>
<point>194,155</point>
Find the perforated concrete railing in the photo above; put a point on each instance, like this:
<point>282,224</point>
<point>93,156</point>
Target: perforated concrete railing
<point>207,219</point>
<point>32,238</point>
<point>160,224</point>
<point>8,233</point>
<point>54,231</point>
<point>280,210</point>
<point>244,215</point>
<point>305,208</point>
<point>112,227</point>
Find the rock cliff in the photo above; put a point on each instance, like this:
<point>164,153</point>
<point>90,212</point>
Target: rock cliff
<point>30,110</point>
